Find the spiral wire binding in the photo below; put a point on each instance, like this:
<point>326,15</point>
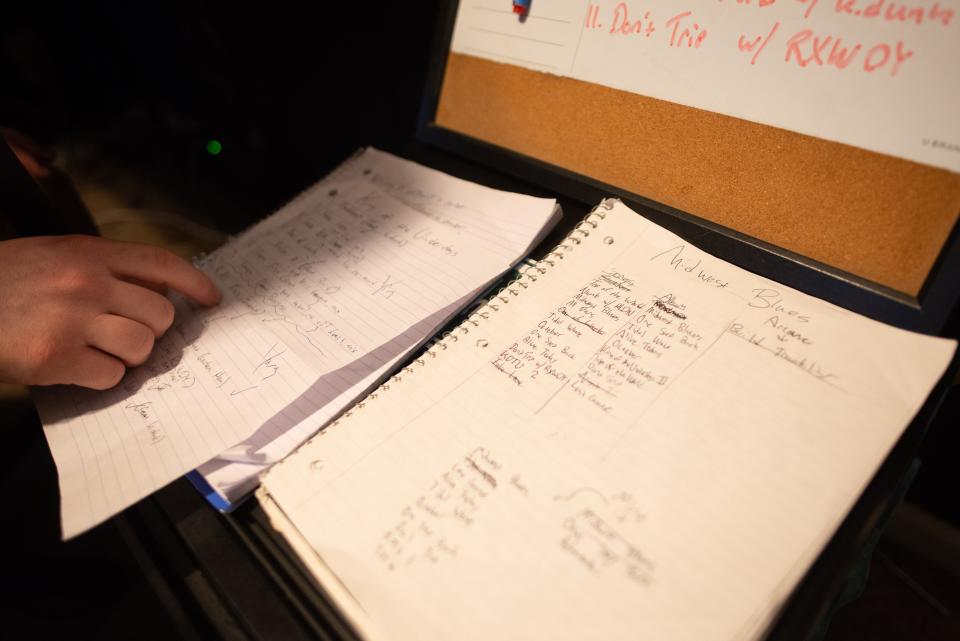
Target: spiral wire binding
<point>580,231</point>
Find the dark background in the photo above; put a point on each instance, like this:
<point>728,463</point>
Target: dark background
<point>289,87</point>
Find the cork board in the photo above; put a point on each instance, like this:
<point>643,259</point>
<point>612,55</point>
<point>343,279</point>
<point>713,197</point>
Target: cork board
<point>875,216</point>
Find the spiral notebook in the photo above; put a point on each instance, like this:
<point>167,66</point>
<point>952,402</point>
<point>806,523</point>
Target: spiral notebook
<point>633,436</point>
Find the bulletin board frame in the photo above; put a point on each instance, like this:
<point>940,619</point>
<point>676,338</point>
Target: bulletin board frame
<point>928,310</point>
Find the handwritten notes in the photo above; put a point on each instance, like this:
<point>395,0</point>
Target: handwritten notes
<point>594,535</point>
<point>645,344</point>
<point>427,530</point>
<point>507,224</point>
<point>885,65</point>
<point>640,436</point>
<point>337,284</point>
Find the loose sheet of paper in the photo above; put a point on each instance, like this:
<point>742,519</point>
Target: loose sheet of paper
<point>337,275</point>
<point>508,222</point>
<point>643,438</point>
<point>870,73</point>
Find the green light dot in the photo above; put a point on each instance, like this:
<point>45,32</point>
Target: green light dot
<point>214,147</point>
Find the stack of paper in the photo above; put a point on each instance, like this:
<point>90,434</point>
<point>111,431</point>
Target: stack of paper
<point>320,300</point>
<point>639,441</point>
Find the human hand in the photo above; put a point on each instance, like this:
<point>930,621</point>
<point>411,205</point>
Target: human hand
<point>80,309</point>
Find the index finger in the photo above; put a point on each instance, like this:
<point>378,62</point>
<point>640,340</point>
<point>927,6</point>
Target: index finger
<point>161,267</point>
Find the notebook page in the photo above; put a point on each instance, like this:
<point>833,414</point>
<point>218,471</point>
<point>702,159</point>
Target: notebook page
<point>493,214</point>
<point>308,296</point>
<point>645,438</point>
<point>509,221</point>
<point>235,471</point>
<point>460,204</point>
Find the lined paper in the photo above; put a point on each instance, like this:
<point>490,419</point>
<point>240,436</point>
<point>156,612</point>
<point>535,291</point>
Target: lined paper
<point>339,274</point>
<point>507,223</point>
<point>643,438</point>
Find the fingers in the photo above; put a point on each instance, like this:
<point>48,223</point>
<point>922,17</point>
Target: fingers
<point>94,369</point>
<point>72,311</point>
<point>114,343</point>
<point>126,339</point>
<point>142,305</point>
<point>158,266</point>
